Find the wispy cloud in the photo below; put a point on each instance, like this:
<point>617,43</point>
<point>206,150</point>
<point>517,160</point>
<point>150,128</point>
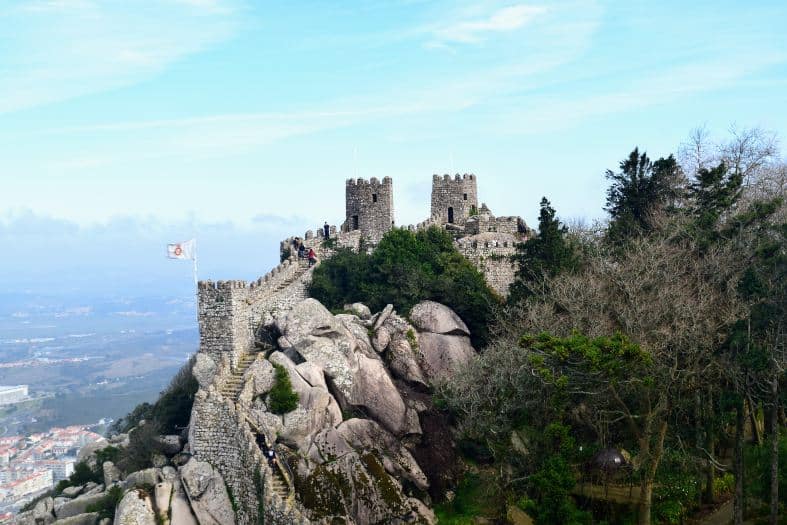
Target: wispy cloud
<point>474,30</point>
<point>55,50</point>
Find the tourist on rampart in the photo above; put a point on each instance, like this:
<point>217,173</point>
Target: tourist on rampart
<point>301,251</point>
<point>312,257</point>
<point>327,230</point>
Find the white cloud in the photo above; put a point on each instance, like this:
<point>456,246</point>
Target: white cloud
<point>55,50</point>
<point>503,20</point>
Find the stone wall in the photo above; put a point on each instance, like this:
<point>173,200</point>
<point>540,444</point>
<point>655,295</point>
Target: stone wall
<point>231,311</point>
<point>459,194</point>
<point>492,256</point>
<point>369,207</point>
<point>485,223</point>
<point>220,435</point>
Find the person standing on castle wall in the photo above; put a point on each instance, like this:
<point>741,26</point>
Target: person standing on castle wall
<point>312,257</point>
<point>327,230</point>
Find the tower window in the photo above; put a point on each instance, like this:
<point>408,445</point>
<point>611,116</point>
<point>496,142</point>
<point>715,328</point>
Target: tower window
<point>374,197</point>
<point>355,222</point>
<point>465,196</point>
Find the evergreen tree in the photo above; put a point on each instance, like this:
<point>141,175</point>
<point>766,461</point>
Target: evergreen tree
<point>545,255</point>
<point>713,192</point>
<point>639,190</point>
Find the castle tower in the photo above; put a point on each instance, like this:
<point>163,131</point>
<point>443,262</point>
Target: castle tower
<point>453,199</point>
<point>369,207</point>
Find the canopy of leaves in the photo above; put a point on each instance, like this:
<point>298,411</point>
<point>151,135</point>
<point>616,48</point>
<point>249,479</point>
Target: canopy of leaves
<point>404,269</point>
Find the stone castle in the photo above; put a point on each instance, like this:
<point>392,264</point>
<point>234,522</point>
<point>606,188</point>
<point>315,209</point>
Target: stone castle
<point>233,316</point>
<point>229,311</point>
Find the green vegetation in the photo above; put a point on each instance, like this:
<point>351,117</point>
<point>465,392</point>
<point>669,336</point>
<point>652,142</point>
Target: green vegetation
<point>412,339</point>
<point>404,269</point>
<point>660,334</point>
<point>107,505</point>
<point>476,495</point>
<point>547,254</point>
<point>143,445</point>
<point>283,398</point>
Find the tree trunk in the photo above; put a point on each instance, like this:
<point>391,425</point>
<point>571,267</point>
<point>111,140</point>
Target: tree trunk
<point>653,457</point>
<point>740,424</point>
<point>710,476</point>
<point>710,472</point>
<point>645,502</point>
<point>774,517</point>
<point>755,426</point>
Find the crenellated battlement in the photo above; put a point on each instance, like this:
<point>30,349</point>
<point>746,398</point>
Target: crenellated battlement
<point>456,178</point>
<point>374,181</point>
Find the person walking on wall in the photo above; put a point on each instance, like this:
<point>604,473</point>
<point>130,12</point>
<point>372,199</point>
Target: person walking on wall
<point>301,251</point>
<point>326,230</point>
<point>312,257</point>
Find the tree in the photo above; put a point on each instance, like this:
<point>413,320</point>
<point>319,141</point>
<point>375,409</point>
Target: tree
<point>641,189</point>
<point>544,255</point>
<point>404,269</point>
<point>672,301</point>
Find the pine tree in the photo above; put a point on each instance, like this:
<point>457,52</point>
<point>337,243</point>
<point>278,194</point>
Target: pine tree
<point>545,255</point>
<point>641,189</point>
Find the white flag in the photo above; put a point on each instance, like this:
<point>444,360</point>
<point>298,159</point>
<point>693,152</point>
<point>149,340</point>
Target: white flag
<point>182,250</point>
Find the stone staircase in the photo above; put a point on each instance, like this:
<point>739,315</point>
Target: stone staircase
<point>278,485</point>
<point>234,382</point>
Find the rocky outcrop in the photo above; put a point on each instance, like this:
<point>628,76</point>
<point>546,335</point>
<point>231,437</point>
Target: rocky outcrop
<point>76,506</point>
<point>357,425</point>
<point>429,316</point>
<point>207,492</point>
<point>136,508</point>
<point>443,340</point>
<point>359,381</point>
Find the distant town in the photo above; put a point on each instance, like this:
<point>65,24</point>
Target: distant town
<point>31,465</point>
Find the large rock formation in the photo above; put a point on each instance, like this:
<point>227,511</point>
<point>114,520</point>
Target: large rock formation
<point>355,462</point>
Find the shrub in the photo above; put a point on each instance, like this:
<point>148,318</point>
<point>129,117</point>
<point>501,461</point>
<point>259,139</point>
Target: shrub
<point>84,474</point>
<point>172,411</point>
<point>143,444</point>
<point>757,475</point>
<point>404,269</point>
<point>723,485</point>
<point>106,506</point>
<point>109,453</point>
<point>283,398</point>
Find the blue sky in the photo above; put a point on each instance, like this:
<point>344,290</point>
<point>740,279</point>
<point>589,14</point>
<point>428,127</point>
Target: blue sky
<point>178,115</point>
